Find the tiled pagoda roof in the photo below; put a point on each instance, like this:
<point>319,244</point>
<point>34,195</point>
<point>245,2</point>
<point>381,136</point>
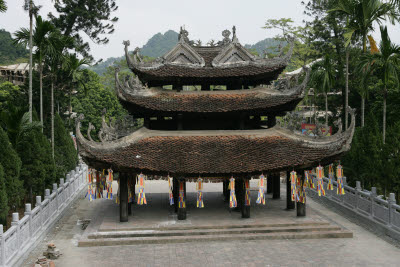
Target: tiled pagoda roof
<point>227,62</point>
<point>214,152</point>
<point>140,99</point>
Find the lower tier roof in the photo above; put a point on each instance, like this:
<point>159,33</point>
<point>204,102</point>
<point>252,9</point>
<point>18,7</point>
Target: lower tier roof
<point>213,153</point>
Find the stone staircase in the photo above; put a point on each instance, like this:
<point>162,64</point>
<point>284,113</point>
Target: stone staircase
<point>183,234</point>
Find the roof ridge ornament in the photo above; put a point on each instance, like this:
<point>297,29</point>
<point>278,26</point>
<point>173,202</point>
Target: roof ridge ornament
<point>183,36</point>
<point>235,40</point>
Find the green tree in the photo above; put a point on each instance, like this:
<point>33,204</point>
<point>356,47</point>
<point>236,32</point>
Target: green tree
<point>364,160</point>
<point>91,17</point>
<point>323,79</point>
<point>38,169</point>
<point>9,94</point>
<point>3,6</point>
<point>66,156</point>
<point>92,103</point>
<point>362,14</point>
<point>3,198</point>
<point>385,64</point>
<point>11,163</point>
<point>45,41</point>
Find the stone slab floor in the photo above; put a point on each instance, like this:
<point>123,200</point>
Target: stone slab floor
<point>364,249</point>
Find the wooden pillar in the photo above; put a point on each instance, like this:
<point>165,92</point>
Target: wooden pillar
<point>182,209</point>
<point>225,185</point>
<point>205,87</point>
<point>123,195</point>
<point>276,186</point>
<point>146,122</point>
<point>271,122</point>
<point>130,203</point>
<point>269,183</point>
<point>301,207</point>
<point>239,193</point>
<point>180,121</point>
<point>242,121</point>
<point>289,203</point>
<point>175,193</point>
<point>245,208</point>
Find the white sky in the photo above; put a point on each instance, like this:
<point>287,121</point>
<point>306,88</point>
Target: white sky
<point>205,20</point>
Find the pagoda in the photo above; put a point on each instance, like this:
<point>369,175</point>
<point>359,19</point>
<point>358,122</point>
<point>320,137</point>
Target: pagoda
<point>209,112</point>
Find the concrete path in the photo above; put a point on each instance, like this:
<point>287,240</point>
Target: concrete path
<point>365,249</point>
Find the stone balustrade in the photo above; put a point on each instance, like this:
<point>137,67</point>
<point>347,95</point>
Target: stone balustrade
<point>384,214</point>
<point>26,232</point>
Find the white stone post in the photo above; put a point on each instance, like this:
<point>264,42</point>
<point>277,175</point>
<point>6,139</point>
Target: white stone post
<point>56,191</point>
<point>2,247</point>
<point>28,212</point>
<point>15,222</point>
<point>63,192</point>
<point>358,194</point>
<point>372,196</point>
<point>47,194</point>
<point>391,202</point>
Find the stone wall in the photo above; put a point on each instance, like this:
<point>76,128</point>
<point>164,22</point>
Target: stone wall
<point>26,232</point>
<point>380,214</point>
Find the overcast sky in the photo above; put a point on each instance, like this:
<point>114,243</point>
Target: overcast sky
<point>205,20</point>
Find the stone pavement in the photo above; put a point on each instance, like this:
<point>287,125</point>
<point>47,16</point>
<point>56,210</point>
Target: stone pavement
<point>364,249</point>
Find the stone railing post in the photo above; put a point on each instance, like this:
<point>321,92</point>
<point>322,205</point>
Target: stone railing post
<point>62,200</point>
<point>46,193</point>
<point>28,212</point>
<point>344,183</point>
<point>15,222</point>
<point>372,196</point>
<point>68,180</point>
<point>358,194</point>
<point>40,213</point>
<point>56,191</point>
<point>391,202</point>
<point>2,247</point>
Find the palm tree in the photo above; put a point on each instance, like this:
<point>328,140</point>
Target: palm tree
<point>55,61</point>
<point>3,6</point>
<point>44,43</point>
<point>361,16</point>
<point>73,67</point>
<point>323,79</point>
<point>385,65</point>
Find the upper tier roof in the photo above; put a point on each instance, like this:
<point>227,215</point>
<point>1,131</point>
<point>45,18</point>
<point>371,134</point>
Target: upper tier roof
<point>214,152</point>
<point>274,99</point>
<point>226,63</point>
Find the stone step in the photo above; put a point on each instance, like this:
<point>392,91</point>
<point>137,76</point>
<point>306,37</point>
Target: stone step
<point>210,238</point>
<point>196,232</point>
<point>228,226</point>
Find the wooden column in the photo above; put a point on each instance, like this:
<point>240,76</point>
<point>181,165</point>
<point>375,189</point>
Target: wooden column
<point>226,190</point>
<point>175,193</point>
<point>301,207</point>
<point>276,185</point>
<point>123,195</point>
<point>271,122</point>
<point>289,203</point>
<point>238,192</point>
<point>132,189</point>
<point>269,183</point>
<point>245,208</point>
<point>179,119</point>
<point>182,210</point>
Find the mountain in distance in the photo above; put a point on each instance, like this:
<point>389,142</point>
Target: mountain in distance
<point>9,52</point>
<point>269,45</point>
<point>160,44</point>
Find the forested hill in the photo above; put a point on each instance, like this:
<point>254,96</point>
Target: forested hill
<point>270,45</point>
<point>160,44</point>
<point>10,53</point>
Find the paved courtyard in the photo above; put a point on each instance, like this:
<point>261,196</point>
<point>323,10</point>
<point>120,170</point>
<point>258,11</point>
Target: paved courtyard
<point>364,249</point>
